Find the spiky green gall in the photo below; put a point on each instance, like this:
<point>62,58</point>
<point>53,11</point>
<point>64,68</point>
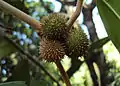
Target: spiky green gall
<point>50,50</point>
<point>54,27</point>
<point>77,43</point>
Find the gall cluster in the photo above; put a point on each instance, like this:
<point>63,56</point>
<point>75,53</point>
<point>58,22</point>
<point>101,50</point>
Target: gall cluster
<point>57,40</point>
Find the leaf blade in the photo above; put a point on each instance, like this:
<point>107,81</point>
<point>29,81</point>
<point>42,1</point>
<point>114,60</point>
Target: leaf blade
<point>15,83</point>
<point>110,20</point>
<point>98,44</point>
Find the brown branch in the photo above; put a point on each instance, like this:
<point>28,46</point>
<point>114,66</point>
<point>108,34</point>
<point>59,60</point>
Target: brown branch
<point>75,14</point>
<point>21,15</point>
<point>63,73</point>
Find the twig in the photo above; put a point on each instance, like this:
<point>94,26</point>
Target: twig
<point>63,73</point>
<point>92,72</point>
<point>21,15</point>
<point>75,14</point>
<point>31,58</point>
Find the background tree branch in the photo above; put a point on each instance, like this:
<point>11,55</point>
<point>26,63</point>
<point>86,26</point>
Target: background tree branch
<point>21,15</point>
<point>30,57</point>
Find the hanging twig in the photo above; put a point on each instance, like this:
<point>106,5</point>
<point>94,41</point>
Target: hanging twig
<point>63,73</point>
<point>75,14</point>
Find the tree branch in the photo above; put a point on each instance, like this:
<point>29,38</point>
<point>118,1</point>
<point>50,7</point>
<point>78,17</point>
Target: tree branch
<point>21,15</point>
<point>75,14</point>
<point>99,55</point>
<point>92,72</point>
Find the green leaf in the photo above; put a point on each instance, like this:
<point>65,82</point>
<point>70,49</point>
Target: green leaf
<point>98,44</point>
<point>21,72</point>
<point>15,83</point>
<point>6,48</point>
<point>35,82</point>
<point>110,13</point>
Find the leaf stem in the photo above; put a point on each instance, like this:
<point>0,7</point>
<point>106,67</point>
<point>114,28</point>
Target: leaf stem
<point>63,73</point>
